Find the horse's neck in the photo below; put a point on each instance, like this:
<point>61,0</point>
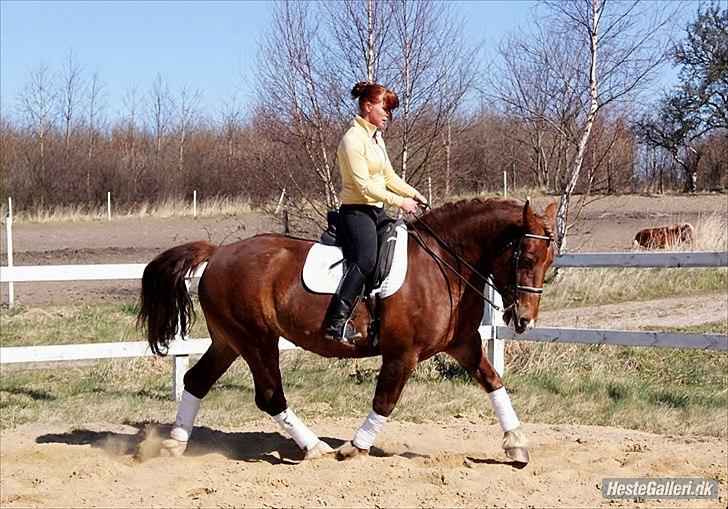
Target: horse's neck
<point>476,239</point>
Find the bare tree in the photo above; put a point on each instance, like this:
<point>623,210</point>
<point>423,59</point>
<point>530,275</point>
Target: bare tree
<point>187,114</point>
<point>159,113</point>
<point>96,105</point>
<point>230,118</point>
<point>297,105</point>
<point>435,70</point>
<point>130,142</point>
<point>70,98</point>
<point>361,33</point>
<point>37,106</point>
<point>594,53</point>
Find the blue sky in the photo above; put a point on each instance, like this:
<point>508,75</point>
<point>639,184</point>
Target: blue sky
<point>206,45</point>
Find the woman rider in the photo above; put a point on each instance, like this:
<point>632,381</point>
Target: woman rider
<point>368,183</point>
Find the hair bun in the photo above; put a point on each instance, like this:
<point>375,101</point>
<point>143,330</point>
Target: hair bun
<point>358,89</point>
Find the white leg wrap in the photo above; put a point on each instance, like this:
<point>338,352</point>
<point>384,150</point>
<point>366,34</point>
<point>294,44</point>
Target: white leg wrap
<point>364,437</point>
<point>188,407</point>
<point>296,429</point>
<point>503,409</point>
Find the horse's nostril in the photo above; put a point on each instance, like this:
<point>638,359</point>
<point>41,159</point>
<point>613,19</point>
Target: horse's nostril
<point>523,322</point>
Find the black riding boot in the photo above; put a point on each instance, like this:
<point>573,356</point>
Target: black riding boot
<point>338,324</point>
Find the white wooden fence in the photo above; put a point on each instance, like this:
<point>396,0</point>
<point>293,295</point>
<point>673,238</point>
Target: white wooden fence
<point>492,331</point>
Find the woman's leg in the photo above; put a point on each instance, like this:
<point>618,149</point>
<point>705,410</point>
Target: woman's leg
<point>360,233</point>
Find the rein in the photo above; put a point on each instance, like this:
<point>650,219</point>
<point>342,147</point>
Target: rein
<point>512,288</point>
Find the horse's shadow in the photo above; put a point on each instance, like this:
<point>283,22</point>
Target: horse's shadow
<point>272,448</point>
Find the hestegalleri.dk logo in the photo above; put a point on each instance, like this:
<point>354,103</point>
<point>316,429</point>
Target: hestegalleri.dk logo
<point>631,487</point>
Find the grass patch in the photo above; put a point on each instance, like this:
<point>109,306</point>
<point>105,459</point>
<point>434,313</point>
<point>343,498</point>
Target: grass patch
<point>578,287</point>
<point>652,389</point>
<point>206,207</point>
<point>60,325</point>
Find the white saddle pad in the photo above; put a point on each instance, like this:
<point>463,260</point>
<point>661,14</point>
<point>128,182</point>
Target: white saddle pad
<point>320,277</point>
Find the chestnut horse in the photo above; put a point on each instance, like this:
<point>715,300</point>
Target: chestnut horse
<point>251,293</point>
<point>665,236</point>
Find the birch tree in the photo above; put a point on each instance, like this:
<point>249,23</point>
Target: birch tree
<point>601,52</point>
<point>296,102</point>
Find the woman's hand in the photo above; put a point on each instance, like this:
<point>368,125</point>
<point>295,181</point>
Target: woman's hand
<point>420,199</point>
<point>409,205</point>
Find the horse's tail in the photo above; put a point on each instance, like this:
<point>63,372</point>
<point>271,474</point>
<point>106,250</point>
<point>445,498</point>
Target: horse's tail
<point>165,306</point>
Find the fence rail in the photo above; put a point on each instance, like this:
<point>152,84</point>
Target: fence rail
<point>492,331</point>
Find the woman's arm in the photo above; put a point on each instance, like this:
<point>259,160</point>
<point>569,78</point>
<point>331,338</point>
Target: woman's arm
<point>397,183</point>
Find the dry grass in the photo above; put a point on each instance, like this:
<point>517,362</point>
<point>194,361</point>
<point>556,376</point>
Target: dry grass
<point>655,390</point>
<point>577,287</point>
<point>711,234</point>
<point>208,207</point>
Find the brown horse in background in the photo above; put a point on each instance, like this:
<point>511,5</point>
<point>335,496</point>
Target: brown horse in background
<point>665,236</point>
<point>251,293</point>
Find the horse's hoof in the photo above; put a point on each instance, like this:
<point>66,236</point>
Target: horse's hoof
<point>518,455</point>
<point>349,451</point>
<point>172,448</point>
<point>515,445</point>
<point>320,450</point>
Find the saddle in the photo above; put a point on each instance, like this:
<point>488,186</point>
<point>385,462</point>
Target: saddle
<point>325,263</point>
<point>387,238</point>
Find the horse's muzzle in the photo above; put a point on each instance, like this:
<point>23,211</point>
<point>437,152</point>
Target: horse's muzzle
<point>519,323</point>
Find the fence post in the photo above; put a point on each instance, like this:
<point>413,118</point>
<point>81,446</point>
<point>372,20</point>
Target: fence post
<point>108,204</point>
<point>429,190</point>
<point>505,184</point>
<point>194,203</point>
<point>9,230</point>
<point>181,362</point>
<point>492,319</point>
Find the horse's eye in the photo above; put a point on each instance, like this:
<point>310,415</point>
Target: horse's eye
<point>527,263</point>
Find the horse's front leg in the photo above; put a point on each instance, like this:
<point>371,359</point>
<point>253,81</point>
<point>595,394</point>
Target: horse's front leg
<point>394,373</point>
<point>471,358</point>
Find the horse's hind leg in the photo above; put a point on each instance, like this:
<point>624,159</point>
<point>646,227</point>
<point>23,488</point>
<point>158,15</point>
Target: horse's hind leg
<point>198,380</point>
<point>470,356</point>
<point>262,357</point>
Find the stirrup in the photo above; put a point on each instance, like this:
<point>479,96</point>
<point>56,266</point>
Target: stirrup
<point>345,334</point>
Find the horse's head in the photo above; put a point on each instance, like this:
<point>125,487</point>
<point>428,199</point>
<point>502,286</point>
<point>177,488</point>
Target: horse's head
<point>519,272</point>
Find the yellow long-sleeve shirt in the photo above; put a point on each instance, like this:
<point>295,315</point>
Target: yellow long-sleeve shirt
<point>367,176</point>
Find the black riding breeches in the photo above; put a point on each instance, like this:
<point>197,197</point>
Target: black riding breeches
<point>361,225</point>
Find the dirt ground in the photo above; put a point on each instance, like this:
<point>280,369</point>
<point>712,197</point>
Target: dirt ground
<point>458,463</point>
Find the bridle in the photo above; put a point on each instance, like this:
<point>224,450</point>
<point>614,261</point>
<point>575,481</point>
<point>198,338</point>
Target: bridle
<point>515,258</point>
<point>513,287</point>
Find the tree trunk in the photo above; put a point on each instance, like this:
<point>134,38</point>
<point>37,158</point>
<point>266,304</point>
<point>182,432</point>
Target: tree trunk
<point>562,214</point>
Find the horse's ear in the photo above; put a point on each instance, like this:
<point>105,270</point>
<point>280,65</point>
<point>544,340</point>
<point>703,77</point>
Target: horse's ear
<point>530,222</point>
<point>550,213</point>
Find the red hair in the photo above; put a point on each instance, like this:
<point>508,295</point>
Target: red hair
<point>371,92</point>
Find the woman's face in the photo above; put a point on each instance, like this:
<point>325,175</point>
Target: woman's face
<point>375,114</point>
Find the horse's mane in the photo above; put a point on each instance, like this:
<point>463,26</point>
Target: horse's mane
<point>457,210</point>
